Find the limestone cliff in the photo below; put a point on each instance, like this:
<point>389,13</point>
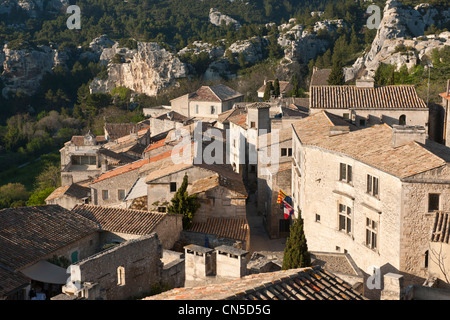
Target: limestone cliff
<point>401,26</point>
<point>217,18</point>
<point>23,69</point>
<point>147,69</point>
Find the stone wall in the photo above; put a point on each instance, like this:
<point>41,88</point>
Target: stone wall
<point>141,263</point>
<point>122,181</point>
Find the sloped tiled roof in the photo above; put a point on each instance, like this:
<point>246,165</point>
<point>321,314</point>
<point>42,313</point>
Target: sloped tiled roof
<point>379,97</point>
<point>231,228</point>
<point>73,190</point>
<point>10,281</point>
<point>372,146</point>
<point>294,284</point>
<point>320,77</point>
<point>121,170</point>
<point>441,228</point>
<point>118,130</point>
<point>128,221</point>
<point>217,93</point>
<point>285,86</point>
<point>29,233</point>
<point>230,180</point>
<point>79,140</point>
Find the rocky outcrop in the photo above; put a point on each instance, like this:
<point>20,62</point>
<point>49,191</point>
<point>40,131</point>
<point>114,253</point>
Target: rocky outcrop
<point>217,18</point>
<point>302,45</point>
<point>96,48</point>
<point>252,49</point>
<point>147,69</point>
<point>23,69</point>
<point>400,26</point>
<point>34,8</point>
<point>198,47</point>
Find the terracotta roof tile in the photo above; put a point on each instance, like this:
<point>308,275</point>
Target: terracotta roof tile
<point>128,221</point>
<point>232,228</point>
<point>216,93</point>
<point>379,97</point>
<point>292,284</point>
<point>372,146</point>
<point>29,233</point>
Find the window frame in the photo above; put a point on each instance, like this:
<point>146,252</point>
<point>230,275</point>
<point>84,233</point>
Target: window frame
<point>345,216</point>
<point>371,228</point>
<point>173,186</point>
<point>438,201</point>
<point>370,186</point>
<point>103,194</point>
<point>347,176</point>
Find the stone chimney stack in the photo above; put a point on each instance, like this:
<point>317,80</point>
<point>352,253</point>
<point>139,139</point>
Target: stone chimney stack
<point>231,262</point>
<point>402,135</point>
<point>199,262</point>
<point>393,286</point>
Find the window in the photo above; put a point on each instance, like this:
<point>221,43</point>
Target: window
<point>290,152</point>
<point>196,108</point>
<point>162,209</point>
<point>345,220</point>
<point>345,173</point>
<point>105,194</point>
<point>317,217</point>
<point>84,160</point>
<point>120,276</point>
<point>402,120</point>
<point>362,122</point>
<point>252,124</point>
<point>121,194</point>
<point>372,185</point>
<point>74,257</point>
<point>346,116</point>
<point>283,152</point>
<point>213,109</point>
<point>371,233</point>
<point>433,202</point>
<point>173,187</point>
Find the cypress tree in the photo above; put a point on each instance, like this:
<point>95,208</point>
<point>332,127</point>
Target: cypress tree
<point>185,204</point>
<point>268,91</point>
<point>296,253</point>
<point>276,88</point>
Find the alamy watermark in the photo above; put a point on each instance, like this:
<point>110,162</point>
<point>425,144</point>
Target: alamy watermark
<point>74,21</point>
<point>234,148</point>
<point>373,22</point>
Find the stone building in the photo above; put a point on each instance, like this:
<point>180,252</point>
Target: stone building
<point>446,105</point>
<point>206,102</point>
<point>372,192</point>
<point>120,272</point>
<point>365,104</point>
<point>69,196</point>
<point>80,161</point>
<point>285,88</point>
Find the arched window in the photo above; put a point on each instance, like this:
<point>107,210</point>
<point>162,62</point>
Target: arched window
<point>426,259</point>
<point>120,276</point>
<point>402,120</point>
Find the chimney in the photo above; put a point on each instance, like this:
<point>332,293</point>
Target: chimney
<point>365,83</point>
<point>393,286</point>
<point>199,262</point>
<point>104,166</point>
<point>402,135</point>
<point>231,262</point>
<point>337,130</point>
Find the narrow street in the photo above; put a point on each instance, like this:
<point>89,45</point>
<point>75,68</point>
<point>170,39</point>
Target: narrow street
<point>259,239</point>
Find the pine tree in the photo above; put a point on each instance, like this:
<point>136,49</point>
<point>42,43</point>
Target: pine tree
<point>337,74</point>
<point>296,253</point>
<point>185,204</point>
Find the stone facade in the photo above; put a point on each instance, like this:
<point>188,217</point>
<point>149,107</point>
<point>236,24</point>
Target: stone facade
<point>124,271</point>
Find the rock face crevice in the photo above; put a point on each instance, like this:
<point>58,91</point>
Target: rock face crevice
<point>23,69</point>
<point>401,26</point>
<point>147,69</point>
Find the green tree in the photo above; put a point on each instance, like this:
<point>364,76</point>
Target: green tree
<point>184,204</point>
<point>276,88</point>
<point>268,91</point>
<point>296,253</point>
<point>337,74</point>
